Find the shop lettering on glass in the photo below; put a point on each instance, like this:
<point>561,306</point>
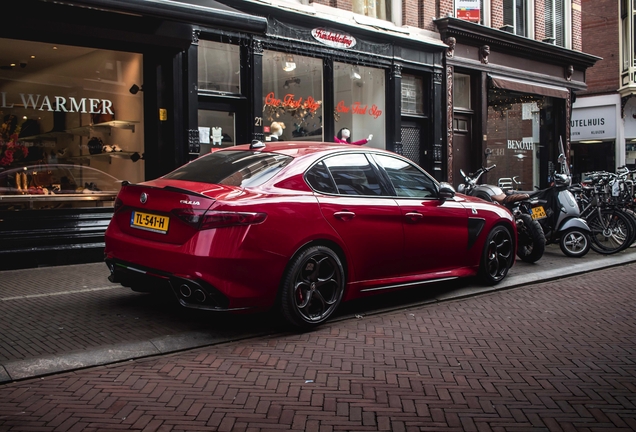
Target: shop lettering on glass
<point>521,145</point>
<point>359,109</point>
<point>60,104</point>
<point>297,107</point>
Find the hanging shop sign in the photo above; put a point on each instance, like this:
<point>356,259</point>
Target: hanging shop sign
<point>333,39</point>
<point>359,109</point>
<point>468,10</point>
<point>593,123</point>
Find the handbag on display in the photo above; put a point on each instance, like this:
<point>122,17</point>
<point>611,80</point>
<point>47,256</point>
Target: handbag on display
<point>99,117</point>
<point>95,145</point>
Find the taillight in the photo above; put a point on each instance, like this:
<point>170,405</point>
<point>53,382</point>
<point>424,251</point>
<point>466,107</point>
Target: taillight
<point>117,205</point>
<point>202,220</point>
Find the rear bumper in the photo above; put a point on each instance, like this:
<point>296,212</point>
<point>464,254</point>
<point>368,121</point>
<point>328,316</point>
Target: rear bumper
<point>190,293</point>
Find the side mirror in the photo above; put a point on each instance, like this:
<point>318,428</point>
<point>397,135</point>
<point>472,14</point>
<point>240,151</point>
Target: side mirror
<point>446,191</point>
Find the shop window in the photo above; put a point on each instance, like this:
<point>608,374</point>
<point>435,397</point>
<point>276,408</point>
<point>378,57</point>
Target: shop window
<point>65,109</point>
<point>515,16</point>
<point>555,22</point>
<point>359,97</point>
<point>412,95</point>
<point>380,9</point>
<point>461,91</point>
<point>219,67</point>
<point>292,97</point>
<point>517,131</point>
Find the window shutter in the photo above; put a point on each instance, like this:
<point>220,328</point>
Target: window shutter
<point>559,22</point>
<point>509,12</point>
<point>549,18</point>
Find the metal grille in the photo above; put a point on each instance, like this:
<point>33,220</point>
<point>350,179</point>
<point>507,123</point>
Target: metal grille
<point>411,143</point>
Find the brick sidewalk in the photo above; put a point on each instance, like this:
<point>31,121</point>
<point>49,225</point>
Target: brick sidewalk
<point>557,356</point>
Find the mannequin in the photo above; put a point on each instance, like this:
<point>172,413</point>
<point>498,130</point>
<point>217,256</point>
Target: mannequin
<point>276,130</point>
<point>344,137</point>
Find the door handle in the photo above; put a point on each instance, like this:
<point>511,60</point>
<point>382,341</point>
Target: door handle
<point>414,216</point>
<point>344,215</point>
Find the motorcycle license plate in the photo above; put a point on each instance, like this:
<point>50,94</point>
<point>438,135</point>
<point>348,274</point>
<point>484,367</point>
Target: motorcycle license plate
<point>538,213</point>
<point>149,222</point>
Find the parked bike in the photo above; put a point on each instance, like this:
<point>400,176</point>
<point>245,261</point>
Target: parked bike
<point>530,237</point>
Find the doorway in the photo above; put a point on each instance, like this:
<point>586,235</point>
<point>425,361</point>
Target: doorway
<point>462,132</point>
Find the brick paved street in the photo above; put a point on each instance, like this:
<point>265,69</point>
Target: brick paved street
<point>557,356</point>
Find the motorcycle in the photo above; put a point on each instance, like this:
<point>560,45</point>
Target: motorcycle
<point>530,237</point>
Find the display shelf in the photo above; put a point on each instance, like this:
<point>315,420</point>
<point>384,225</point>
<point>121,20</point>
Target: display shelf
<point>118,155</point>
<point>107,126</point>
<point>48,136</point>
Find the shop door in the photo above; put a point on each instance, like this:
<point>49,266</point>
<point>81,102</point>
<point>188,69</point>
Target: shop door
<point>220,125</point>
<point>462,125</point>
<point>411,142</point>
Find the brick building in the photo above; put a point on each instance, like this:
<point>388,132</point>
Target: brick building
<point>604,115</point>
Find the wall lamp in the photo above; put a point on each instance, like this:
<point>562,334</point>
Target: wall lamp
<point>136,89</point>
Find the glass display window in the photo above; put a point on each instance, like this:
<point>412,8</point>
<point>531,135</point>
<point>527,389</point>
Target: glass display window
<point>515,137</point>
<point>292,97</point>
<point>70,106</point>
<point>219,67</point>
<point>359,98</point>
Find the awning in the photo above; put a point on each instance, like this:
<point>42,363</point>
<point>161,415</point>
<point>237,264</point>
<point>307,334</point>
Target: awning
<point>206,12</point>
<point>528,87</point>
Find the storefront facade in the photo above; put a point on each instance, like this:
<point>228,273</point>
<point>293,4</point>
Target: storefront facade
<point>597,135</point>
<point>509,102</point>
<point>91,94</point>
<point>111,91</point>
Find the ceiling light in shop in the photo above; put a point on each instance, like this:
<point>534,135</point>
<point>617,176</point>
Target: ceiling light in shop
<point>355,73</point>
<point>290,65</point>
<point>590,142</point>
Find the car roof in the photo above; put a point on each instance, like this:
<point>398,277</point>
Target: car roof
<point>297,148</point>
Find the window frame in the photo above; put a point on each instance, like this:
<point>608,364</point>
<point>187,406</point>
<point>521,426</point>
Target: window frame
<point>528,17</point>
<point>566,22</point>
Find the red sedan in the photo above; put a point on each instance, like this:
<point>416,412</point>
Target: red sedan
<point>302,227</point>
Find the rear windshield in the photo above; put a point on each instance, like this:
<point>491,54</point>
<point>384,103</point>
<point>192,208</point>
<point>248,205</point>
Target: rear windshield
<point>232,168</point>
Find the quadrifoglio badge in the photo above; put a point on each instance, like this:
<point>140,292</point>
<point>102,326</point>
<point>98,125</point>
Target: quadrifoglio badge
<point>333,39</point>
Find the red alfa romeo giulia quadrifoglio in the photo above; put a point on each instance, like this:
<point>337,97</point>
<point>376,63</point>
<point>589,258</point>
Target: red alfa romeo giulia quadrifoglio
<point>301,227</point>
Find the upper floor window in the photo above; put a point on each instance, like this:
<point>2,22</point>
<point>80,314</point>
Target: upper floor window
<point>380,9</point>
<point>515,16</point>
<point>555,22</point>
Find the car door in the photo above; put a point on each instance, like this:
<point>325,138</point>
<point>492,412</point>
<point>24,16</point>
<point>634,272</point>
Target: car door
<point>356,201</point>
<point>435,231</point>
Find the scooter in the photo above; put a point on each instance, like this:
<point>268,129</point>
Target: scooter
<point>530,236</point>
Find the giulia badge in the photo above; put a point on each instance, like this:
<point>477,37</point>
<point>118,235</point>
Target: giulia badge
<point>143,198</point>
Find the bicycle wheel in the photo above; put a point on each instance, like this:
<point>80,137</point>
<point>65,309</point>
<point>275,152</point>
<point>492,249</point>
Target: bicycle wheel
<point>632,215</point>
<point>612,231</point>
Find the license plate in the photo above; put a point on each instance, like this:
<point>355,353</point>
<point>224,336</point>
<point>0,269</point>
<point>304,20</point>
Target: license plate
<point>538,213</point>
<point>149,222</point>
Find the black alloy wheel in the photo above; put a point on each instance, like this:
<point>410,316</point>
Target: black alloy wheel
<point>497,257</point>
<point>312,287</point>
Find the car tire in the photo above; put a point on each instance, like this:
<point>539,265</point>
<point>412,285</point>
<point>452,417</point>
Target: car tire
<point>575,243</point>
<point>497,256</point>
<point>531,242</point>
<point>312,287</point>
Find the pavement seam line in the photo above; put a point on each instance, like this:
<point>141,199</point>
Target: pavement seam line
<point>30,296</point>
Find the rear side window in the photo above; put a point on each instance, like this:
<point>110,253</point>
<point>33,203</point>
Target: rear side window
<point>408,181</point>
<point>232,168</point>
<point>354,175</point>
<point>319,179</point>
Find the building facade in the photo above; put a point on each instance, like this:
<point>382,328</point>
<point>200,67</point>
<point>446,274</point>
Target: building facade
<point>604,115</point>
<point>95,92</point>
